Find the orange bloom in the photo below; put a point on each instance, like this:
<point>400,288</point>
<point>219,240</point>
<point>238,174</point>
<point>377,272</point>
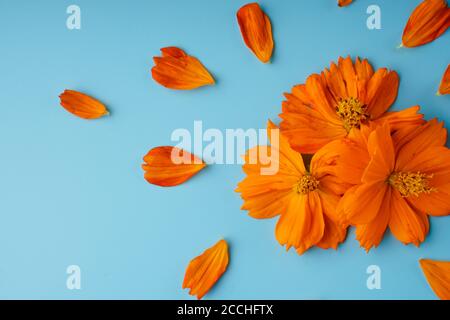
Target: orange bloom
<point>438,276</point>
<point>341,99</point>
<point>305,197</point>
<point>256,31</point>
<point>206,269</point>
<point>399,178</point>
<point>444,88</point>
<point>82,105</point>
<point>170,166</point>
<point>429,20</point>
<point>344,3</point>
<point>177,70</point>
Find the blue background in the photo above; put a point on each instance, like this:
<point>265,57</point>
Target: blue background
<point>72,191</point>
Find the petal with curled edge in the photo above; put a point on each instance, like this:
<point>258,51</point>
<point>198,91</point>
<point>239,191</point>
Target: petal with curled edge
<point>205,270</point>
<point>256,31</point>
<point>170,166</point>
<point>178,70</point>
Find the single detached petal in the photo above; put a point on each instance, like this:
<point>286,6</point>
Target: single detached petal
<point>429,20</point>
<point>177,70</point>
<point>256,30</point>
<point>170,166</point>
<point>444,88</point>
<point>438,276</point>
<point>82,105</point>
<point>206,269</point>
<point>344,3</point>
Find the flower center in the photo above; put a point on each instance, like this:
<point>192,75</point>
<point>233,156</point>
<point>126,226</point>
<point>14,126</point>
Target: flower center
<point>352,113</point>
<point>411,184</point>
<point>306,184</point>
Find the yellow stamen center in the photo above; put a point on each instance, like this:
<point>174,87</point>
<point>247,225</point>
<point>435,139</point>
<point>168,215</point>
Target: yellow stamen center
<point>411,184</point>
<point>306,184</point>
<point>352,113</point>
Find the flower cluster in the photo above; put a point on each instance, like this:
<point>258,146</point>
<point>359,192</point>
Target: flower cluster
<point>371,168</point>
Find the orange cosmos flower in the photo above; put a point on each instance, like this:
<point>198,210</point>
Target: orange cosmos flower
<point>170,166</point>
<point>82,105</point>
<point>438,276</point>
<point>444,88</point>
<point>256,31</point>
<point>339,100</point>
<point>305,197</point>
<point>177,70</point>
<point>206,269</point>
<point>344,3</point>
<point>428,21</point>
<point>400,178</point>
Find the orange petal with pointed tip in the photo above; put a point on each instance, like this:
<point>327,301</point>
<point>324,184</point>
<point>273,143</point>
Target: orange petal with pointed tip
<point>177,70</point>
<point>256,31</point>
<point>444,88</point>
<point>429,20</point>
<point>170,166</point>
<point>438,276</point>
<point>205,270</point>
<point>82,105</point>
<point>344,3</point>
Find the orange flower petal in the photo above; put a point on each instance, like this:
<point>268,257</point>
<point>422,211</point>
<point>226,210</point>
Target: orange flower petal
<point>177,70</point>
<point>429,20</point>
<point>344,3</point>
<point>438,276</point>
<point>170,166</point>
<point>410,143</point>
<point>406,118</point>
<point>406,224</point>
<point>206,269</point>
<point>334,234</point>
<point>370,235</point>
<point>265,196</point>
<point>444,88</point>
<point>82,105</point>
<point>301,226</point>
<point>384,94</point>
<point>381,149</point>
<point>256,31</point>
<point>361,204</point>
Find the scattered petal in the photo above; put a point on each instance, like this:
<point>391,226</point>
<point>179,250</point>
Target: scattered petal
<point>344,3</point>
<point>444,88</point>
<point>82,105</point>
<point>256,31</point>
<point>429,20</point>
<point>438,276</point>
<point>170,166</point>
<point>177,70</point>
<point>206,269</point>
